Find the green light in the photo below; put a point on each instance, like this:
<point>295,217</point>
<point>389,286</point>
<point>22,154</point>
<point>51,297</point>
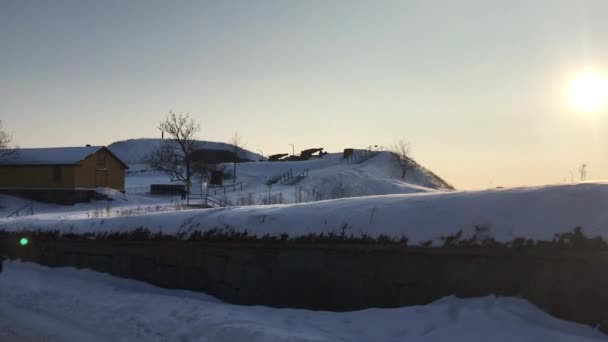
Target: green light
<point>24,241</point>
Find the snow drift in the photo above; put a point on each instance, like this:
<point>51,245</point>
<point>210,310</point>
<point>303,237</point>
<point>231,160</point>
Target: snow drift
<point>535,212</point>
<point>38,303</point>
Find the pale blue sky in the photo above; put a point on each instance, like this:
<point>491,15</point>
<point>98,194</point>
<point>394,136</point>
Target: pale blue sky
<point>476,86</point>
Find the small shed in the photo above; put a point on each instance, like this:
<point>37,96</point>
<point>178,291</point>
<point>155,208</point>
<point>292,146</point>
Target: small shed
<point>215,156</point>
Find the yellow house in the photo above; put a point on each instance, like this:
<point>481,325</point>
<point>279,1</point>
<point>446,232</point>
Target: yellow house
<point>63,168</point>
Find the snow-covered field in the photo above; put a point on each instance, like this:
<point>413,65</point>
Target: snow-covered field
<point>43,304</point>
<point>332,177</point>
<point>536,213</point>
<point>328,177</point>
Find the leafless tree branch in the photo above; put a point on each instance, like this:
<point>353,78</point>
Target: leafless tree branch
<point>7,150</point>
<point>401,156</point>
<point>174,157</point>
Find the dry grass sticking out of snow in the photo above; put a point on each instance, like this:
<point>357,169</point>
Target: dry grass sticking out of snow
<point>536,213</point>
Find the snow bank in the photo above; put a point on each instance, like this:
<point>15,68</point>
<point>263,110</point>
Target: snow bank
<point>50,155</point>
<point>536,212</point>
<point>38,303</point>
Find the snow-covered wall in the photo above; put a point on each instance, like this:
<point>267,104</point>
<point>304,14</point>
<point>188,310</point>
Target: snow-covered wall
<point>342,276</point>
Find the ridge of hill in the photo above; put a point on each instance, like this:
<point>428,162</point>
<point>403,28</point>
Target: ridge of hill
<point>134,151</point>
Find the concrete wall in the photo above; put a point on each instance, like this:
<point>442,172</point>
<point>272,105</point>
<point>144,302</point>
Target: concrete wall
<point>569,285</point>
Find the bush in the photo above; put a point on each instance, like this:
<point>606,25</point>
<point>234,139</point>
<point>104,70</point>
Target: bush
<point>574,240</point>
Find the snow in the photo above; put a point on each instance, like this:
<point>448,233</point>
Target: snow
<point>332,177</point>
<point>9,204</point>
<point>39,303</point>
<point>50,156</point>
<point>134,151</point>
<point>328,177</point>
<point>111,194</point>
<point>64,304</point>
<point>534,212</point>
<point>372,199</point>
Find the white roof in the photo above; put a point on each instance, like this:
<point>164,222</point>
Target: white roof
<point>50,156</point>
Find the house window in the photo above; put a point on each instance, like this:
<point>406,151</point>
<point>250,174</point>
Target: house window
<point>57,174</point>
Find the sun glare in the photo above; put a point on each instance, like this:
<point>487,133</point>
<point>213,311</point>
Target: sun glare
<point>589,92</point>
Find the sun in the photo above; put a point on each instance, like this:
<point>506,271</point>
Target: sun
<point>589,92</point>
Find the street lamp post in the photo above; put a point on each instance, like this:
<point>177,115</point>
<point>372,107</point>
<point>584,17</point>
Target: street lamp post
<point>293,150</point>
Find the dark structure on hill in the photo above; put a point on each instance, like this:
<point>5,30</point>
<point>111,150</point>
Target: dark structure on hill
<point>167,189</point>
<point>348,153</point>
<point>208,161</point>
<point>309,153</point>
<point>214,156</point>
<point>304,155</point>
<point>277,157</point>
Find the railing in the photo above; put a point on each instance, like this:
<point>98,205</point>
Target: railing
<point>280,178</point>
<point>286,176</point>
<point>209,200</point>
<point>304,173</point>
<point>28,210</point>
<point>291,179</point>
<point>225,188</point>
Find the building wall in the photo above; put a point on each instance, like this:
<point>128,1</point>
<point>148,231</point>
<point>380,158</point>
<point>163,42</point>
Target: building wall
<point>36,177</point>
<point>107,171</point>
<point>110,173</point>
<point>57,196</point>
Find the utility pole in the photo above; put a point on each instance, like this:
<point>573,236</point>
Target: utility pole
<point>583,172</point>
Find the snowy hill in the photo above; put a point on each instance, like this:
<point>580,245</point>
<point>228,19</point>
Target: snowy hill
<point>133,151</point>
<point>536,213</point>
<point>329,177</point>
<point>332,177</point>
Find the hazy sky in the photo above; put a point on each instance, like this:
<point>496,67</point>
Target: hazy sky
<point>476,86</point>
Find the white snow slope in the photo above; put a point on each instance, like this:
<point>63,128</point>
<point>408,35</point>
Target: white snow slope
<point>329,177</point>
<point>64,304</point>
<point>536,212</point>
<point>332,177</point>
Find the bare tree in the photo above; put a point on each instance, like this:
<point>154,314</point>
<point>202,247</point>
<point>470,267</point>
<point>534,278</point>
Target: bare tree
<point>174,156</point>
<point>401,156</point>
<point>237,144</point>
<point>6,147</point>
